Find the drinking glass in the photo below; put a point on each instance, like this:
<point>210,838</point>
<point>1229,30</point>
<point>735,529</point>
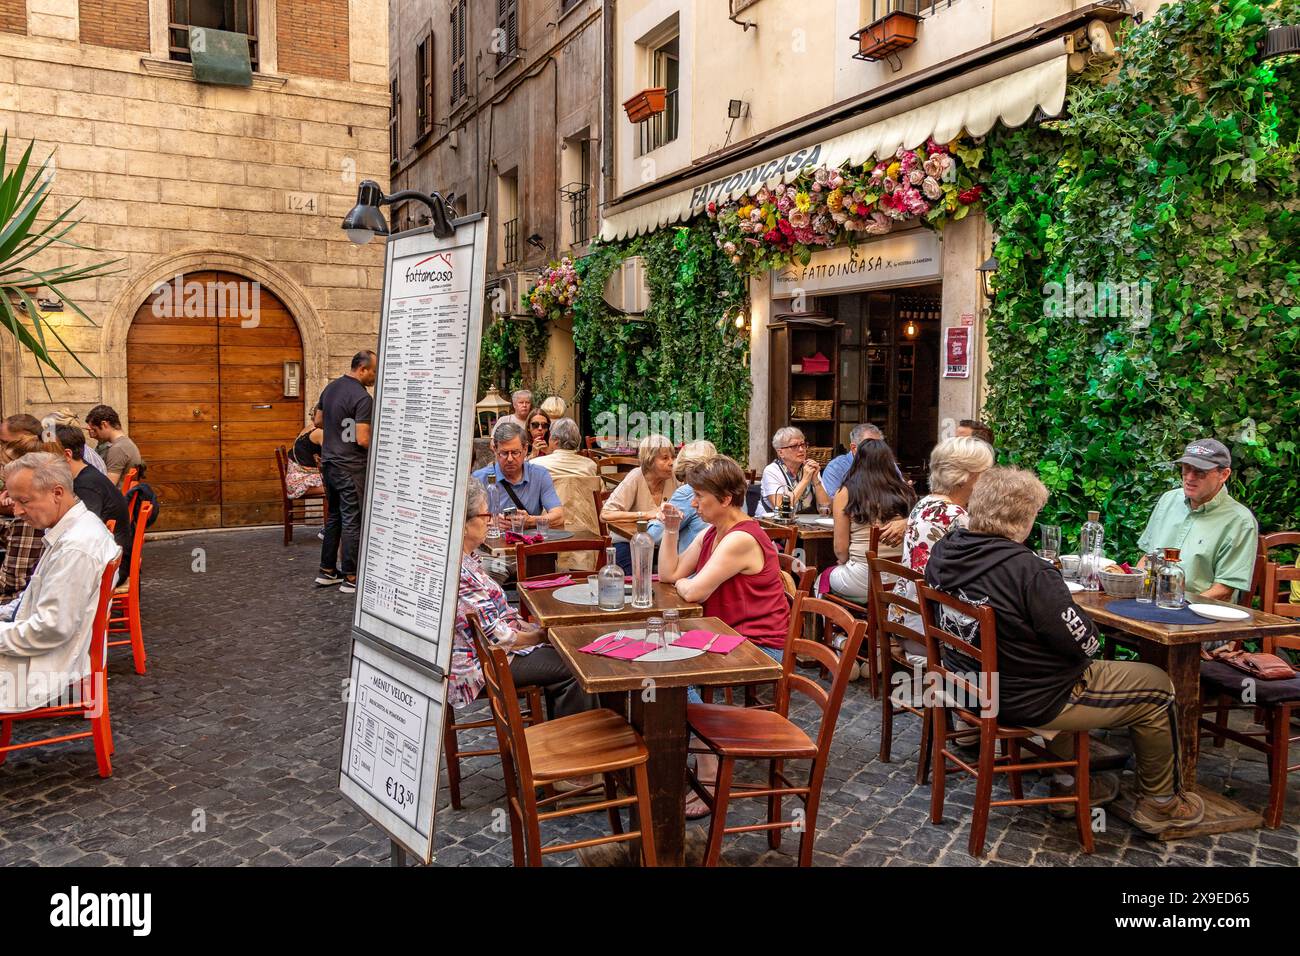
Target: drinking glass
<point>543,525</point>
<point>593,585</point>
<point>517,521</point>
<point>654,632</point>
<point>1051,543</point>
<point>824,510</point>
<point>672,626</point>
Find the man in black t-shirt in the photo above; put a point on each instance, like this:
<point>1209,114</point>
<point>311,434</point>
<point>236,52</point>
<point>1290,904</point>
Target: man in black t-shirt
<point>98,493</point>
<point>343,413</point>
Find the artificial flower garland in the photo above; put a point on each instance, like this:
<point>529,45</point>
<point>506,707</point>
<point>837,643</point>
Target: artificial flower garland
<point>554,294</point>
<point>825,206</point>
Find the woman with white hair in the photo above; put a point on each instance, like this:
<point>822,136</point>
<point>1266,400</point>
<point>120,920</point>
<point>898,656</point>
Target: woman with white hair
<point>794,476</point>
<point>641,494</point>
<point>682,502</point>
<point>955,466</point>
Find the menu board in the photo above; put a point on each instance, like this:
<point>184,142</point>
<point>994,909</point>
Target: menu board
<point>409,566</point>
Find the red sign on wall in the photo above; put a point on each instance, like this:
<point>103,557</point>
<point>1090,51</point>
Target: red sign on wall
<point>956,352</point>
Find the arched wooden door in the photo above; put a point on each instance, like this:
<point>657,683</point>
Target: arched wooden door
<point>205,386</point>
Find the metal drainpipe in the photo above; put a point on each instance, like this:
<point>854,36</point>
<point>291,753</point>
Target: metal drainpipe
<point>608,62</point>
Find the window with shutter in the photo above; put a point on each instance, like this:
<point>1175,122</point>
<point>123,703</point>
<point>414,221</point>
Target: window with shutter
<point>458,85</point>
<point>234,16</point>
<point>507,38</point>
<point>394,118</point>
<point>424,85</point>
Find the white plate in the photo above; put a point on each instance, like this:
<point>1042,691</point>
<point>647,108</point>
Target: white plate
<point>825,522</point>
<point>1074,586</point>
<point>1218,612</point>
<point>672,653</point>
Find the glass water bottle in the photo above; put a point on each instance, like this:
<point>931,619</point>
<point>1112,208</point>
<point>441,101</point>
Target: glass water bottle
<point>643,559</point>
<point>1150,572</point>
<point>1091,539</point>
<point>1171,582</point>
<point>610,584</point>
<point>494,532</point>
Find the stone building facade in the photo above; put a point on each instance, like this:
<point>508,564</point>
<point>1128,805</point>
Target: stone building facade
<point>244,184</point>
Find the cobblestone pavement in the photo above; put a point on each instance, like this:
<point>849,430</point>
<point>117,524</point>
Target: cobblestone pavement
<point>227,753</point>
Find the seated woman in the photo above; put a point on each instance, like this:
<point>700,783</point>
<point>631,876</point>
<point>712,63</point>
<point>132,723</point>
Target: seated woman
<point>539,434</point>
<point>731,569</point>
<point>793,476</point>
<point>955,466</point>
<point>532,660</point>
<point>641,494</point>
<point>303,471</point>
<point>874,495</point>
<point>691,524</point>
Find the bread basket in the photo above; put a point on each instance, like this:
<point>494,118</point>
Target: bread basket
<point>1121,585</point>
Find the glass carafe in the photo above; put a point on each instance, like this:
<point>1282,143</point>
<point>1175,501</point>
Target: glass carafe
<point>643,559</point>
<point>1171,582</point>
<point>610,583</point>
<point>1091,539</point>
<point>494,532</point>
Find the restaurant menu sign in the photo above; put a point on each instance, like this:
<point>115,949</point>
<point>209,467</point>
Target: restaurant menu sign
<point>900,258</point>
<point>413,520</point>
<point>956,351</point>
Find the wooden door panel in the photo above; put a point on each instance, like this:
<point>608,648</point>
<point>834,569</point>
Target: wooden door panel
<point>165,374</point>
<point>250,469</point>
<point>284,411</point>
<point>252,375</point>
<point>172,335</point>
<point>173,516</point>
<point>258,448</point>
<point>152,450</point>
<point>260,392</point>
<point>172,392</point>
<point>268,317</point>
<point>179,431</point>
<point>251,355</point>
<point>244,492</point>
<point>175,412</point>
<point>186,492</point>
<point>262,512</point>
<point>262,336</point>
<point>164,470</point>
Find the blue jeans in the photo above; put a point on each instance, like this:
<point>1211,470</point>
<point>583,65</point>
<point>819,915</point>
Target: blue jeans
<point>776,653</point>
<point>345,492</point>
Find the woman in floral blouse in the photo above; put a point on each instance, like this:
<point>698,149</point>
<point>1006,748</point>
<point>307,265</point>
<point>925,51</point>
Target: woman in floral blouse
<point>955,465</point>
<point>532,660</point>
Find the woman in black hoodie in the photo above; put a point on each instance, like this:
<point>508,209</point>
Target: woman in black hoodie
<point>1047,678</point>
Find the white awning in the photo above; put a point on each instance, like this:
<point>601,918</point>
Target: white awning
<point>1010,97</point>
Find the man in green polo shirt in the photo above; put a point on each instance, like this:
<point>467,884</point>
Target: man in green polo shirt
<point>1217,535</point>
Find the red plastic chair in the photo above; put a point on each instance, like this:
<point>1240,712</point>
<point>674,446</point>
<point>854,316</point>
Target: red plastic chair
<point>125,611</point>
<point>93,696</point>
<point>128,480</point>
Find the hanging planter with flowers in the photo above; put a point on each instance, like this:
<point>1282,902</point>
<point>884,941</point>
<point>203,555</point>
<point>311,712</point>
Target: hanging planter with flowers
<point>824,207</point>
<point>553,295</point>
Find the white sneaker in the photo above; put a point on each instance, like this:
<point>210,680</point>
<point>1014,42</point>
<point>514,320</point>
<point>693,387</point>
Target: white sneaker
<point>348,587</point>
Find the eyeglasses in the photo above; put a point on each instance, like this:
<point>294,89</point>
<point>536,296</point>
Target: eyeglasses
<point>482,514</point>
<point>537,426</point>
<point>795,447</point>
<point>510,455</point>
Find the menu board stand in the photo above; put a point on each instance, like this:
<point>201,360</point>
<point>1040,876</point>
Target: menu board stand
<point>413,516</point>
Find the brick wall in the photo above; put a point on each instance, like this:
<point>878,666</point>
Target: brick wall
<point>13,16</point>
<point>313,37</point>
<point>123,24</point>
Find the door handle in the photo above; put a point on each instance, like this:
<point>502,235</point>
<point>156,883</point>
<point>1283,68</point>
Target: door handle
<point>216,427</point>
<point>261,406</point>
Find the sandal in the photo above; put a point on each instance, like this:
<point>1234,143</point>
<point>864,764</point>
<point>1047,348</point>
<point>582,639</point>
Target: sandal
<point>702,809</point>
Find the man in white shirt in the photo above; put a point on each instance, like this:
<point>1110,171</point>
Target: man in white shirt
<point>45,634</point>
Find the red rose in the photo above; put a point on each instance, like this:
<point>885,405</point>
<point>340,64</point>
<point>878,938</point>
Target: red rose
<point>785,227</point>
<point>713,208</point>
<point>861,209</point>
<point>970,195</point>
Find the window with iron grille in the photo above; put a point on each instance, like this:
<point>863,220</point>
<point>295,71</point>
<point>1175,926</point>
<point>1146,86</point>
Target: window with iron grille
<point>507,38</point>
<point>511,241</point>
<point>424,86</point>
<point>394,118</point>
<point>233,16</point>
<point>458,84</point>
<point>919,8</point>
<point>578,194</point>
<point>664,66</point>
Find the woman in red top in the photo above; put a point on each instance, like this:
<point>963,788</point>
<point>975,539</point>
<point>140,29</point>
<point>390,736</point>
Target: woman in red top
<point>731,569</point>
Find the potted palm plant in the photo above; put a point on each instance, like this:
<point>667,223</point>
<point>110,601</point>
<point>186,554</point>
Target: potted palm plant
<point>25,244</point>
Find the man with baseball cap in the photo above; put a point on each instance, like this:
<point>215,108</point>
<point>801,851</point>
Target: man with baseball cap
<point>1217,535</point>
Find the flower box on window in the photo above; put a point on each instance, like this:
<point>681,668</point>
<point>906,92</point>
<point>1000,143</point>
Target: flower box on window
<point>886,35</point>
<point>646,104</point>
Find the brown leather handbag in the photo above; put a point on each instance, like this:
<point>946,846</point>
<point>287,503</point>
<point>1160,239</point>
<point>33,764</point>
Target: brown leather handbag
<point>1258,665</point>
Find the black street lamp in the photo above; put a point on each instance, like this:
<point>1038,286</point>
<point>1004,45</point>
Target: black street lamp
<point>987,271</point>
<point>365,220</point>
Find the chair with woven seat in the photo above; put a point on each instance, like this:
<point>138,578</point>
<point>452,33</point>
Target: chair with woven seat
<point>735,734</point>
<point>567,748</point>
<point>946,702</point>
<point>302,510</point>
<point>124,612</point>
<point>895,659</point>
<point>90,699</point>
<point>1274,703</point>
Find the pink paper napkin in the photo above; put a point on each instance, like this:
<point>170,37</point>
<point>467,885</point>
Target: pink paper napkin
<point>514,538</point>
<point>725,644</point>
<point>549,583</point>
<point>623,648</point>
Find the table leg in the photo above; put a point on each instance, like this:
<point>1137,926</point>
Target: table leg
<point>1182,662</point>
<point>662,724</point>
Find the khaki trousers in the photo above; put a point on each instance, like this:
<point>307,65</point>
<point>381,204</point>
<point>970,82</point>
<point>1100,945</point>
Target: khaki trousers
<point>1133,695</point>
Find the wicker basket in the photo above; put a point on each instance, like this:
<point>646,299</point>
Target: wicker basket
<point>1121,585</point>
<point>813,408</point>
<point>820,455</point>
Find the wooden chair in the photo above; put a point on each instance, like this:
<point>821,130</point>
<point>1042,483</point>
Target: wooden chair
<point>1274,703</point>
<point>743,733</point>
<point>601,496</point>
<point>580,745</point>
<point>303,510</point>
<point>614,468</point>
<point>942,707</point>
<point>785,539</point>
<point>451,727</point>
<point>525,551</point>
<point>801,575</point>
<point>90,699</point>
<point>871,659</point>
<point>129,480</point>
<point>124,611</point>
<point>895,660</point>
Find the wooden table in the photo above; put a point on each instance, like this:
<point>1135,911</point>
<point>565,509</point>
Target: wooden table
<point>549,611</point>
<point>1176,648</point>
<point>661,719</point>
<point>626,528</point>
<point>818,542</point>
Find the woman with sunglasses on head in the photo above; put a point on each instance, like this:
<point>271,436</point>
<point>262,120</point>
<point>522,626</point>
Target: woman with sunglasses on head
<point>539,434</point>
